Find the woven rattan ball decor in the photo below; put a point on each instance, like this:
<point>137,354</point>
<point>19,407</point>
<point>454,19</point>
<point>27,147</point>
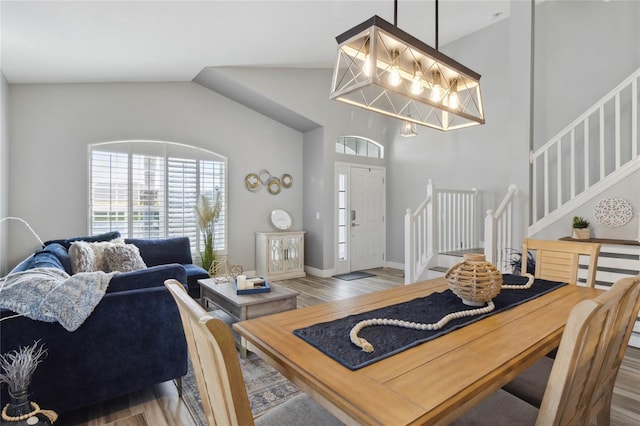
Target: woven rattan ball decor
<point>474,280</point>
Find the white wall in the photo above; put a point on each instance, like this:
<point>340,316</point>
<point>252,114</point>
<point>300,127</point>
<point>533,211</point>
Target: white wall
<point>4,170</point>
<point>583,49</point>
<point>306,91</point>
<point>53,124</point>
<point>476,157</point>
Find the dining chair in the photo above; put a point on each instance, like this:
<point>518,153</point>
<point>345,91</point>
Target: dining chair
<point>558,260</point>
<point>219,378</point>
<point>555,261</point>
<point>583,375</point>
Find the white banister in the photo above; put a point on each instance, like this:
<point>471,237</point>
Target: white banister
<point>498,227</point>
<point>419,227</point>
<point>560,174</point>
<point>445,221</point>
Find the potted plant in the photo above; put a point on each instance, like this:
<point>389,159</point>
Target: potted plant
<point>207,215</point>
<point>580,228</point>
<point>16,369</point>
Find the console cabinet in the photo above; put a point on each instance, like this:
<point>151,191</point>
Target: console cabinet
<point>280,255</point>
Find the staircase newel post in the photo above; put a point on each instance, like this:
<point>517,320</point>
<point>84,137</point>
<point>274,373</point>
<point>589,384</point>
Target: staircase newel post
<point>409,248</point>
<point>490,237</point>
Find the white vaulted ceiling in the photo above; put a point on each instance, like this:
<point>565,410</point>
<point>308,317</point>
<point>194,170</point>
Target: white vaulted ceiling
<point>114,41</point>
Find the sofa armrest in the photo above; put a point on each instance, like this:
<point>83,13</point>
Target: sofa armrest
<point>154,276</point>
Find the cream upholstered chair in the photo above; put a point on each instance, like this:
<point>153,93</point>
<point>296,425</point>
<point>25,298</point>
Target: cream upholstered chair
<point>219,377</point>
<point>558,260</point>
<point>581,383</point>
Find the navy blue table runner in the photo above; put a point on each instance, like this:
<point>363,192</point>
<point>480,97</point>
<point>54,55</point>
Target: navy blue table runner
<point>332,337</point>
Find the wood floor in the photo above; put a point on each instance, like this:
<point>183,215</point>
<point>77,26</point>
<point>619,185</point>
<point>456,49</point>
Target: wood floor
<point>160,405</point>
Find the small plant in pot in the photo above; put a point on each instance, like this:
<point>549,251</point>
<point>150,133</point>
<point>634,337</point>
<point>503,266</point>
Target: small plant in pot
<point>580,228</point>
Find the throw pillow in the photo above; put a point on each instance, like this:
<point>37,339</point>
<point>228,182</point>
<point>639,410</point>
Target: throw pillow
<point>89,257</point>
<point>82,257</point>
<point>122,258</point>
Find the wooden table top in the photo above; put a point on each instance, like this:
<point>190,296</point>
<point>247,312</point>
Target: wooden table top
<point>227,290</point>
<point>432,383</point>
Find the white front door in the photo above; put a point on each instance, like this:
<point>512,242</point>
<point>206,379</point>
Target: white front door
<point>366,218</point>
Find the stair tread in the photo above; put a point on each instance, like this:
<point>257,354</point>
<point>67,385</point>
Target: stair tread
<point>461,253</point>
<point>439,269</point>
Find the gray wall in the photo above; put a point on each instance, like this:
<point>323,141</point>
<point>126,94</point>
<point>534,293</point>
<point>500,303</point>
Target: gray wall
<point>306,91</point>
<point>4,170</point>
<point>583,50</point>
<point>462,159</point>
<point>53,124</point>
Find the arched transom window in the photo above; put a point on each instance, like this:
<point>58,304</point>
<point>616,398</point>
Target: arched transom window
<point>362,147</point>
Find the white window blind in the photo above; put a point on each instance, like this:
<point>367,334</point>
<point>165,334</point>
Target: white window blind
<point>150,189</point>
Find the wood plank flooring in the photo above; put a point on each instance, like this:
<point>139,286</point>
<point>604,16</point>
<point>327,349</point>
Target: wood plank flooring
<point>160,405</point>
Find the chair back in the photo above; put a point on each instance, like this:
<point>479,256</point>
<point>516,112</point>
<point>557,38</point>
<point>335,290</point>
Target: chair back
<point>215,362</point>
<point>559,260</point>
<point>595,338</point>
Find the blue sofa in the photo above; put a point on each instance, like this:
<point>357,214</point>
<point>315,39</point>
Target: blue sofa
<point>132,340</point>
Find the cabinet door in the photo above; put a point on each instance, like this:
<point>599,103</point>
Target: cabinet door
<point>276,255</point>
<point>293,253</point>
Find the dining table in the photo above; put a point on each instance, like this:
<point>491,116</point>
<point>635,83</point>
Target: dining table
<point>428,384</point>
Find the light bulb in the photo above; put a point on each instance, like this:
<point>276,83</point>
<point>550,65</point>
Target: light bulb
<point>453,100</point>
<point>416,84</point>
<point>436,93</point>
<point>394,76</point>
<point>366,69</point>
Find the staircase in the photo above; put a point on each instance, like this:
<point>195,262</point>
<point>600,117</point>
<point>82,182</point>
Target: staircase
<point>444,228</point>
<point>596,151</point>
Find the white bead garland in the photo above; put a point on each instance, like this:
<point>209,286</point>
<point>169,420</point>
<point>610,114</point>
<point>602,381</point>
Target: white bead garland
<point>368,347</point>
<point>523,286</point>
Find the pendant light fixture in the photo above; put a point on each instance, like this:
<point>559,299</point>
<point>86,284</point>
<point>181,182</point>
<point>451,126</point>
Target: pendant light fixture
<point>384,69</point>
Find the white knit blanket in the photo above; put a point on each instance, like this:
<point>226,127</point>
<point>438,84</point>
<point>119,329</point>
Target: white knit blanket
<point>50,294</point>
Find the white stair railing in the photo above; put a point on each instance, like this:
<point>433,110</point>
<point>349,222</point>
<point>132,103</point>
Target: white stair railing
<point>498,231</point>
<point>601,143</point>
<point>445,221</point>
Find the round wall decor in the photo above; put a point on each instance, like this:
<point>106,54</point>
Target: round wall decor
<point>287,180</point>
<point>274,186</point>
<point>251,181</point>
<point>613,212</point>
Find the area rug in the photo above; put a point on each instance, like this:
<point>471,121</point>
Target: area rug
<point>266,388</point>
<point>354,276</point>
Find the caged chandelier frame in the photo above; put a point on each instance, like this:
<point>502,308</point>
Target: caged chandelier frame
<point>384,69</point>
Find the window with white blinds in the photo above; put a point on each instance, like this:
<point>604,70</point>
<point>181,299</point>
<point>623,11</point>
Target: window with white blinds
<point>149,190</point>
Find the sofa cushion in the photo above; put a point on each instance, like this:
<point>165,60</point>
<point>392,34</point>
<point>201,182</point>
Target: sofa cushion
<point>162,251</point>
<point>122,258</point>
<point>107,236</point>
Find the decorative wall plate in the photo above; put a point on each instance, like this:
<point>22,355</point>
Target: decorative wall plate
<point>287,180</point>
<point>274,186</point>
<point>281,219</point>
<point>613,212</point>
<point>264,176</point>
<point>252,181</point>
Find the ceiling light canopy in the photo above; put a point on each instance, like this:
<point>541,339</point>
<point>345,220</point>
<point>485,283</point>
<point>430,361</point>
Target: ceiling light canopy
<point>384,69</point>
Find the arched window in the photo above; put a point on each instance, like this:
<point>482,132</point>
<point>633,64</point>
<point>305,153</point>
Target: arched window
<point>148,189</point>
<point>355,145</point>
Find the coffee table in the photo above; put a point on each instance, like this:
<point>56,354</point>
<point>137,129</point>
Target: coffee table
<point>245,306</point>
